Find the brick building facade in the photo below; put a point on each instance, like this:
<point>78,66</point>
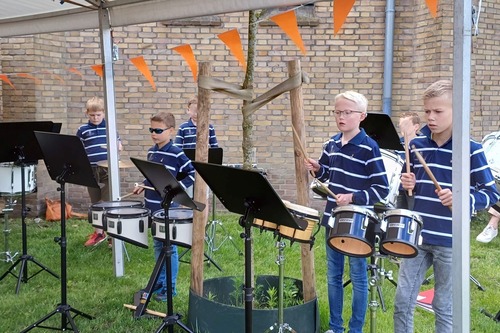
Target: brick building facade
<point>353,59</point>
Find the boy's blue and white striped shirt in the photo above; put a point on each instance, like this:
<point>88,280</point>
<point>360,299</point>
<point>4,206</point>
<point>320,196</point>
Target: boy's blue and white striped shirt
<point>357,167</point>
<point>437,219</point>
<point>186,136</point>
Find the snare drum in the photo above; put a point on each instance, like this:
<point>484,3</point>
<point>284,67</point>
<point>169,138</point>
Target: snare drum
<point>129,224</point>
<point>393,165</point>
<point>97,210</point>
<point>11,181</point>
<point>180,226</point>
<point>401,235</point>
<point>303,213</point>
<point>353,231</point>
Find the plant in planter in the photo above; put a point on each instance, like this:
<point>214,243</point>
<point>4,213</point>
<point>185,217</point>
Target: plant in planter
<point>221,310</point>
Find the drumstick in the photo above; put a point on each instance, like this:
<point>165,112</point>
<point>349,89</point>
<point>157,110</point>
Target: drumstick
<point>155,313</point>
<point>304,154</point>
<point>144,186</point>
<point>127,195</point>
<point>407,155</point>
<point>427,170</point>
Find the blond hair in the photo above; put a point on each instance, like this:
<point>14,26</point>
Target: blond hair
<point>355,97</point>
<point>438,88</point>
<point>95,104</point>
<point>193,100</point>
<point>415,119</point>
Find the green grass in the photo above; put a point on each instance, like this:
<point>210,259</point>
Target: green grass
<point>93,288</point>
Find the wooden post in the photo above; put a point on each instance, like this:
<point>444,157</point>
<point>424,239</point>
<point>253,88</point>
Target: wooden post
<point>200,188</point>
<point>301,174</point>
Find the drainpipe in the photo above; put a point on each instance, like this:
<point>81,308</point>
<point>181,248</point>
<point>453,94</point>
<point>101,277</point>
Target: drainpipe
<point>388,57</point>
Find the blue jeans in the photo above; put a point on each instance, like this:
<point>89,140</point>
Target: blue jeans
<point>162,278</point>
<point>359,279</point>
<point>411,275</point>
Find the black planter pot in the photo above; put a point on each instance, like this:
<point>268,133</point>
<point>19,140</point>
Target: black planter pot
<point>218,316</point>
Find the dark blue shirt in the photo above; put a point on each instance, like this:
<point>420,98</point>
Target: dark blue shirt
<point>94,140</point>
<point>357,167</point>
<point>437,221</point>
<point>186,136</point>
<point>175,161</point>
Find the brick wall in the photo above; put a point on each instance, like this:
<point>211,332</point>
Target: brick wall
<point>354,59</point>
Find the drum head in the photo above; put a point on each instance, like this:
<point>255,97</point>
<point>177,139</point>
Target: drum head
<point>116,204</point>
<point>177,215</point>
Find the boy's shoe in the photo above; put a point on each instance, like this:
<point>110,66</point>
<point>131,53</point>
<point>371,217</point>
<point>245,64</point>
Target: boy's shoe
<point>110,243</point>
<point>95,239</point>
<point>487,234</point>
<point>161,296</point>
<point>329,331</point>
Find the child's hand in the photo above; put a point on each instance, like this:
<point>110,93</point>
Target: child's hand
<point>408,181</point>
<point>311,165</point>
<point>344,199</point>
<point>445,196</point>
<point>138,189</point>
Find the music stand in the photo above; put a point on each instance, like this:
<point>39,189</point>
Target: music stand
<point>170,190</point>
<point>214,157</point>
<point>19,145</point>
<point>380,128</point>
<point>253,198</point>
<point>71,168</point>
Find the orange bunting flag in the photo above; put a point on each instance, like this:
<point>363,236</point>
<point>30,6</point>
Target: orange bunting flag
<point>75,71</point>
<point>5,78</point>
<point>29,76</point>
<point>341,9</point>
<point>98,69</point>
<point>287,21</point>
<point>187,53</point>
<point>141,65</point>
<point>233,41</point>
<point>433,7</point>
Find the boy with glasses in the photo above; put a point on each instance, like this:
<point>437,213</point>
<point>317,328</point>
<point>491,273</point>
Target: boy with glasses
<point>351,165</point>
<point>165,152</point>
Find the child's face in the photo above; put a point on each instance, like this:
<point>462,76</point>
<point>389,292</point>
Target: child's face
<point>348,122</point>
<point>164,137</point>
<point>95,117</point>
<point>438,113</point>
<point>192,111</point>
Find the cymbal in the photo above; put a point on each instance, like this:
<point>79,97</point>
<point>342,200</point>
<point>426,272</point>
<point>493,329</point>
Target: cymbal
<point>121,164</point>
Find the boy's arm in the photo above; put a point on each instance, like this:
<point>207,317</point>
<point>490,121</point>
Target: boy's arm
<point>483,189</point>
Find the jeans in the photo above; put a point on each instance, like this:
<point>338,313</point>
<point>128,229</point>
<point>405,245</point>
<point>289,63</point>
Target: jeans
<point>359,279</point>
<point>411,275</point>
<point>162,278</point>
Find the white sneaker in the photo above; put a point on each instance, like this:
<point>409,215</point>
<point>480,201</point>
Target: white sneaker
<point>487,235</point>
<point>329,331</point>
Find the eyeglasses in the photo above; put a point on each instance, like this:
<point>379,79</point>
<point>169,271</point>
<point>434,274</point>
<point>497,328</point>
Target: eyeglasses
<point>158,130</point>
<point>338,113</point>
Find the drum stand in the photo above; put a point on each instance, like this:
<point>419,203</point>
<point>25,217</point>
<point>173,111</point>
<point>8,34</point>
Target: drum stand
<point>472,278</point>
<point>9,257</point>
<point>25,257</point>
<point>280,261</point>
<point>211,233</point>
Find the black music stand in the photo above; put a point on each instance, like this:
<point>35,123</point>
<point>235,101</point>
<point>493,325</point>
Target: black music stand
<point>253,198</point>
<point>380,128</point>
<point>170,190</point>
<point>19,145</point>
<point>214,157</point>
<point>71,168</point>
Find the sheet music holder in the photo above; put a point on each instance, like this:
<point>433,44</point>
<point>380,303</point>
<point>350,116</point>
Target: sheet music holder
<point>64,168</point>
<point>214,154</point>
<point>253,198</point>
<point>380,128</point>
<point>20,135</point>
<point>20,146</point>
<point>170,190</point>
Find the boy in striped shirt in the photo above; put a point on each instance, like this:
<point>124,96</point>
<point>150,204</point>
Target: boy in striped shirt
<point>351,165</point>
<point>433,206</point>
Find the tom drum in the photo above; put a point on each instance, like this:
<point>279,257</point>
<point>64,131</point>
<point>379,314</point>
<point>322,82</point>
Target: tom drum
<point>353,231</point>
<point>129,224</point>
<point>180,226</point>
<point>401,235</point>
<point>304,213</point>
<point>97,210</point>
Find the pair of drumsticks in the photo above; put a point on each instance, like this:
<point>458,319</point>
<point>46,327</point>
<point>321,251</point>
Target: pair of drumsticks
<point>304,155</point>
<point>137,185</point>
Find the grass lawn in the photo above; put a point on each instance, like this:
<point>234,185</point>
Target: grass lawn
<point>93,288</point>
